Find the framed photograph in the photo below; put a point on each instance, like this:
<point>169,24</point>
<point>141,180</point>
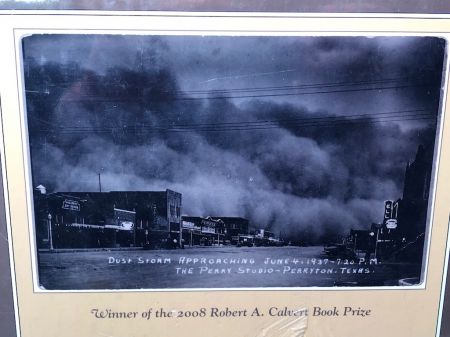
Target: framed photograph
<point>274,175</point>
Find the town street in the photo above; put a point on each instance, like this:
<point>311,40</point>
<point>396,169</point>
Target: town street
<point>213,267</point>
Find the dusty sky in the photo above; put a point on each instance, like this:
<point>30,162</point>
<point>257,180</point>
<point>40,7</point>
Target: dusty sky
<point>256,127</point>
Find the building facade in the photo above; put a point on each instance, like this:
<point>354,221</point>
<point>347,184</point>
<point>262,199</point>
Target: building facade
<point>233,227</point>
<point>413,206</point>
<point>203,231</point>
<point>136,218</point>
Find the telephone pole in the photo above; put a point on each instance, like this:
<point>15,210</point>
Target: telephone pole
<point>99,182</point>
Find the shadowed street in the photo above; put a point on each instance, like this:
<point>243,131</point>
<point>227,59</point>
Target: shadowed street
<point>213,267</point>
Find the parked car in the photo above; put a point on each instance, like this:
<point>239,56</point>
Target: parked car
<point>245,241</point>
<point>339,251</point>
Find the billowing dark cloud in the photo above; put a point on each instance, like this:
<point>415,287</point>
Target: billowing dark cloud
<point>195,114</point>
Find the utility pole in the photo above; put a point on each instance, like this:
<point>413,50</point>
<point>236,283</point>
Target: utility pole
<point>376,242</point>
<point>50,234</point>
<point>180,237</point>
<point>99,182</point>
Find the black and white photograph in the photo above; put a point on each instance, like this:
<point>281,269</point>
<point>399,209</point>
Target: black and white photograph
<point>166,162</point>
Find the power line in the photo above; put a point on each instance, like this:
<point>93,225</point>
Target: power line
<point>179,95</point>
<point>295,125</point>
<point>298,93</point>
<point>324,125</point>
<point>258,122</point>
<point>100,99</point>
<point>245,127</point>
<point>291,120</point>
<point>308,85</point>
<point>294,87</point>
<point>299,126</point>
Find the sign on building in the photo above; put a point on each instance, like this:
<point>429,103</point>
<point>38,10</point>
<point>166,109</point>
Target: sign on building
<point>71,205</point>
<point>387,209</point>
<point>390,214</point>
<point>391,223</point>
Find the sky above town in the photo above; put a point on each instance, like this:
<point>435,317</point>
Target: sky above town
<point>299,134</point>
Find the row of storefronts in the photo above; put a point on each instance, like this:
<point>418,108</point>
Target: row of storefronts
<point>149,219</point>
